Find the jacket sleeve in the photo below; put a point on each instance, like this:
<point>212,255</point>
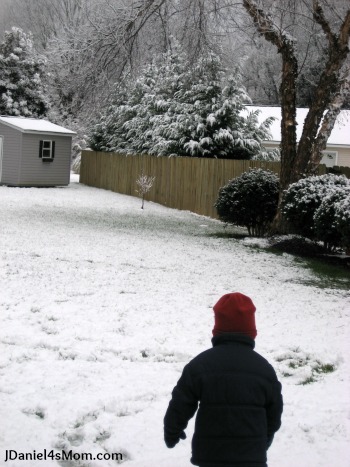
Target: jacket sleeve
<point>274,411</point>
<point>182,407</point>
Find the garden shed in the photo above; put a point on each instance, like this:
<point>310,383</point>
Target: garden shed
<point>34,152</point>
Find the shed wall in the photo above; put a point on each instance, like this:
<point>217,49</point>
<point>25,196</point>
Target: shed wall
<point>12,148</point>
<point>35,171</point>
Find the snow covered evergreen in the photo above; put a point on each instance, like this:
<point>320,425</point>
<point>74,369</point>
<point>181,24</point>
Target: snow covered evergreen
<point>250,200</point>
<point>179,108</point>
<point>342,220</point>
<point>325,221</point>
<point>309,206</point>
<point>22,91</point>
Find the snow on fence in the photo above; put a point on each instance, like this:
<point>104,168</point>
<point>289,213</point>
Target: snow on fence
<point>186,183</point>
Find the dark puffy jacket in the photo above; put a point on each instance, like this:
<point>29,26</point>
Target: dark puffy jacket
<point>240,404</point>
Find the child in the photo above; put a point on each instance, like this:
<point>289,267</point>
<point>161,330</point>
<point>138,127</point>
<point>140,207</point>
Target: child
<point>239,396</point>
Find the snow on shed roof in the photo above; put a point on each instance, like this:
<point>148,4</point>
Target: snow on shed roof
<point>339,136</point>
<point>35,125</point>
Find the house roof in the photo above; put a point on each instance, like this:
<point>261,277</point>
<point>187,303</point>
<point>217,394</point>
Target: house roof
<point>340,135</point>
<point>35,125</point>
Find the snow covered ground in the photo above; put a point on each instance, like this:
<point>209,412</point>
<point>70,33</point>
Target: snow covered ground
<point>102,304</point>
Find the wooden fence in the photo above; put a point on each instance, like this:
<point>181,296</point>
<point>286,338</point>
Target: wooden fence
<point>186,183</point>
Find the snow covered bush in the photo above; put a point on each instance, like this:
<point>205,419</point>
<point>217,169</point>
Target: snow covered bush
<point>303,198</point>
<point>22,91</point>
<point>325,223</point>
<point>176,107</point>
<point>342,221</point>
<point>250,201</point>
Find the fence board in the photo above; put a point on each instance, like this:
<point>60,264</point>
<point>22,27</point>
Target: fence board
<point>186,183</point>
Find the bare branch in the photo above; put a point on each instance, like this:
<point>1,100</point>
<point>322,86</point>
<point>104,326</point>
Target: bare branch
<point>320,18</point>
<point>264,24</point>
<point>330,91</point>
<point>144,183</point>
<point>330,119</point>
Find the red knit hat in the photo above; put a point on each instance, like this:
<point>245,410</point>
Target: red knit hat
<point>234,312</point>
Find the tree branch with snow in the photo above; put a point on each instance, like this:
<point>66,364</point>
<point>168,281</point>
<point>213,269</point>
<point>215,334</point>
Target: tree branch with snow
<point>144,183</point>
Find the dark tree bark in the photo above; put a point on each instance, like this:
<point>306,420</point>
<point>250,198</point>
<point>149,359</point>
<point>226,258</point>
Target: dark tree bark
<point>329,96</point>
<point>286,48</point>
<point>302,159</point>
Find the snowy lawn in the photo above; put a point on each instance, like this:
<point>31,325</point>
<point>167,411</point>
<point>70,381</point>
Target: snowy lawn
<point>102,304</point>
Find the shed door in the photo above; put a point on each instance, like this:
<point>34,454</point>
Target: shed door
<point>1,153</point>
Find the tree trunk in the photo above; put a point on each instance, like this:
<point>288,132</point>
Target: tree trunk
<point>286,47</point>
<point>288,122</point>
<point>330,93</point>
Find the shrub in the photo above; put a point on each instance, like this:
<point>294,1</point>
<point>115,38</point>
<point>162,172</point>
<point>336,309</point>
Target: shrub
<point>325,224</point>
<point>342,220</point>
<point>250,201</point>
<point>303,198</point>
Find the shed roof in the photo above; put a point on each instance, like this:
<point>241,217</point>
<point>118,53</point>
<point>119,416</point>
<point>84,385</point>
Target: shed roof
<point>340,135</point>
<point>35,125</point>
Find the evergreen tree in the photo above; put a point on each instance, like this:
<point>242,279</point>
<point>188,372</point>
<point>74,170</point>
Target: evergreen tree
<point>219,127</point>
<point>178,108</point>
<point>21,70</point>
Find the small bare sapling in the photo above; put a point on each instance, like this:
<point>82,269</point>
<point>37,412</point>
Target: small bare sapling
<point>144,183</point>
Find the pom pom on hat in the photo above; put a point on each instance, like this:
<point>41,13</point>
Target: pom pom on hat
<point>234,312</point>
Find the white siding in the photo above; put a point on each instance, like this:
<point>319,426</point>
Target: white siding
<point>343,153</point>
<point>344,157</point>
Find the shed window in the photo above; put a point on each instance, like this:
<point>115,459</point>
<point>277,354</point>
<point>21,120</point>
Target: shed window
<point>47,150</point>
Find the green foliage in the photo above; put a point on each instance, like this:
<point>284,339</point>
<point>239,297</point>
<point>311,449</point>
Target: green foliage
<point>181,108</point>
<point>303,198</point>
<point>342,220</point>
<point>21,89</point>
<point>326,225</point>
<point>270,155</point>
<point>250,201</point>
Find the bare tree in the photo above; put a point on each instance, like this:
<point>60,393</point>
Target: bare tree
<point>330,93</point>
<point>91,44</point>
<point>4,9</point>
<point>115,30</point>
<point>47,19</point>
<point>144,183</point>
